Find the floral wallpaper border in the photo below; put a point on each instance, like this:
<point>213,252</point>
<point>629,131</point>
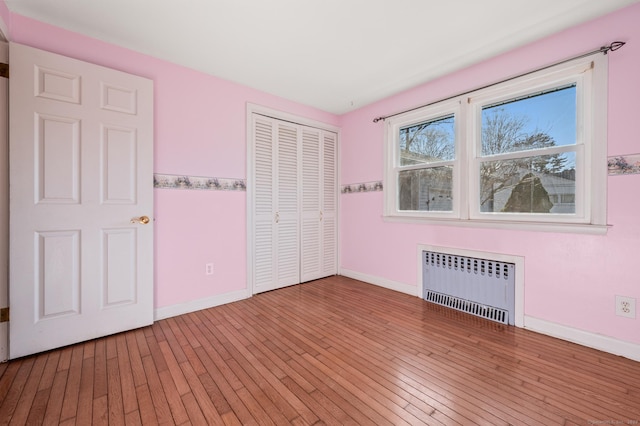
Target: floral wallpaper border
<point>362,187</point>
<point>198,183</point>
<point>624,164</point>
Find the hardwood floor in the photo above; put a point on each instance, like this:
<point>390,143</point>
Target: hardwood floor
<point>333,351</point>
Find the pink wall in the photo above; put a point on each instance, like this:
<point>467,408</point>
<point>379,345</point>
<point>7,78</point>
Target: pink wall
<point>200,130</point>
<point>200,124</point>
<point>570,279</point>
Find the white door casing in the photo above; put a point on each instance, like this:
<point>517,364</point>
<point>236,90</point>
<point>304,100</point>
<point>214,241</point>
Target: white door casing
<point>4,202</point>
<point>81,170</point>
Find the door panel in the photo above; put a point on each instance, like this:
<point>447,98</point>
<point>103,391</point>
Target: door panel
<point>58,280</point>
<point>118,165</point>
<point>81,168</point>
<point>57,154</point>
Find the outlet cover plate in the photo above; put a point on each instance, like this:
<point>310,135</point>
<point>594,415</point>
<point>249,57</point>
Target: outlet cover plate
<point>626,306</point>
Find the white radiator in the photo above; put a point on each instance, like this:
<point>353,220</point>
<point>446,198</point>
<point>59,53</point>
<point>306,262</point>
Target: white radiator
<point>481,287</point>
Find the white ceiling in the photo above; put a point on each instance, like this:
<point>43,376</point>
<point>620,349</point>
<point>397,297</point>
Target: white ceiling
<point>335,55</point>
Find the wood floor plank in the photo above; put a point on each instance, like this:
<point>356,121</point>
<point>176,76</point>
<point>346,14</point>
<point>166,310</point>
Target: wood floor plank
<point>38,408</point>
<point>84,413</point>
<point>173,365</point>
<point>114,393</point>
<point>100,411</point>
<point>159,398</point>
<point>29,390</point>
<point>56,399</point>
<point>145,402</point>
<point>193,409</point>
<point>334,351</point>
<point>7,384</point>
<point>127,382</point>
<point>72,389</point>
<point>135,359</point>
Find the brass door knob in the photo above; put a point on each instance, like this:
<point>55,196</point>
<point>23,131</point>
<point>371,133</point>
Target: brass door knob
<point>142,220</point>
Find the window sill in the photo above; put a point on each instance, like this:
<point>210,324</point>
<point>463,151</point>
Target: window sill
<point>573,228</point>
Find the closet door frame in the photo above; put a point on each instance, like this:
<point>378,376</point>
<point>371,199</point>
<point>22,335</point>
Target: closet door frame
<point>295,119</point>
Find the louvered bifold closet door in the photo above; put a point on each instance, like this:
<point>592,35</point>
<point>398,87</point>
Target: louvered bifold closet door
<point>319,204</point>
<point>311,243</point>
<point>276,212</point>
<point>294,233</point>
<point>329,220</point>
<point>264,138</point>
<point>287,215</point>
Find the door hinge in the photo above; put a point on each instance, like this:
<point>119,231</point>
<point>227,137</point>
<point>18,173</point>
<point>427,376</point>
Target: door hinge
<point>4,314</point>
<point>4,70</point>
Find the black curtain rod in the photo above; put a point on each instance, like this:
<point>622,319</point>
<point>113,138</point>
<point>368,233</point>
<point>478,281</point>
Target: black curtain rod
<point>604,50</point>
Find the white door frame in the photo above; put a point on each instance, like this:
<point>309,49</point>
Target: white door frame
<point>292,118</point>
<point>4,201</point>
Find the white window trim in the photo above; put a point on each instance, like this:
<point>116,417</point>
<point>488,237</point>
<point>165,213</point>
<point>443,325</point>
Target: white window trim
<point>591,146</point>
<point>393,153</point>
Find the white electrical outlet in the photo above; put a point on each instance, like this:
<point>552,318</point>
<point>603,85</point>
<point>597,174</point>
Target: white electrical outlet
<point>209,269</point>
<point>626,306</point>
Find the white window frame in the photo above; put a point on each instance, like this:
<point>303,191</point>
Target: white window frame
<point>430,113</point>
<point>590,76</point>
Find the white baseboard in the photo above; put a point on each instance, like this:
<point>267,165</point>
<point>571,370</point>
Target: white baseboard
<point>381,282</point>
<point>584,338</point>
<point>197,305</point>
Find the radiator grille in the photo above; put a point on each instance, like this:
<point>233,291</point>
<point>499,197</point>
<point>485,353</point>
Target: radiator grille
<point>489,312</point>
<point>481,287</point>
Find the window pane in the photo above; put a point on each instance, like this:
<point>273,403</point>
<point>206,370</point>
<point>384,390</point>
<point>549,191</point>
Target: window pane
<point>536,121</point>
<point>426,189</point>
<point>428,142</point>
<point>541,184</point>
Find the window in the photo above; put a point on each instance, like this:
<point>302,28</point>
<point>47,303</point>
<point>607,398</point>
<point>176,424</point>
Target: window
<point>529,151</point>
<point>425,177</point>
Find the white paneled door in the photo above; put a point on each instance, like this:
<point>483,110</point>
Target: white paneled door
<point>81,201</point>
